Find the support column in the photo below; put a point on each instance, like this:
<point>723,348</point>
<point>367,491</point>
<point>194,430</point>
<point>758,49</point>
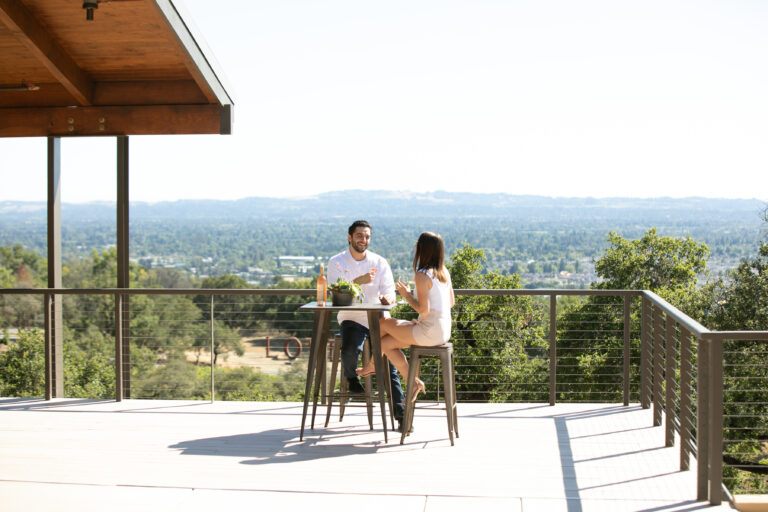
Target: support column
<point>552,349</point>
<point>123,251</point>
<point>55,333</point>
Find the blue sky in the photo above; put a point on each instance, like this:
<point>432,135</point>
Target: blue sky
<point>556,98</point>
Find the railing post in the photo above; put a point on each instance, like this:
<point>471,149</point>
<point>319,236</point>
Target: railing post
<point>669,380</point>
<point>552,348</point>
<point>212,348</point>
<point>627,320</point>
<point>658,369</point>
<point>48,345</point>
<point>703,426</point>
<point>685,398</point>
<point>645,353</point>
<point>118,347</point>
<point>716,423</point>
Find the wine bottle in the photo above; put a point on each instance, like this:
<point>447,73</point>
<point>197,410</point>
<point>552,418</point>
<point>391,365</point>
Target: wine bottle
<point>322,288</point>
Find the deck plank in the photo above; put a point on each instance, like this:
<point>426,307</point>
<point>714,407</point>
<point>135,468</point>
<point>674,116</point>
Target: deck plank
<point>84,454</point>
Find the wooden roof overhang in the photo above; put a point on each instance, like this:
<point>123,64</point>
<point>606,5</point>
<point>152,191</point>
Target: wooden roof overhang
<point>136,68</point>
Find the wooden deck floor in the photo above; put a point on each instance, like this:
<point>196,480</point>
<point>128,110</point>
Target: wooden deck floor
<point>180,455</point>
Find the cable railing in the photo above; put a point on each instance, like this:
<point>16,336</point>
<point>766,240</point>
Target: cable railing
<point>169,337</point>
<point>745,409</point>
<point>617,346</point>
<point>705,386</point>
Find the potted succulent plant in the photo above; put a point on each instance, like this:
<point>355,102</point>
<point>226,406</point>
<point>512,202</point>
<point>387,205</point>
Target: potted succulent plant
<point>344,292</point>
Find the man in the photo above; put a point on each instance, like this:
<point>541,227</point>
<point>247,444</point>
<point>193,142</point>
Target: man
<point>373,274</point>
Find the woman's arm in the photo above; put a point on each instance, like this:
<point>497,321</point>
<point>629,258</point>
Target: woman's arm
<point>423,284</point>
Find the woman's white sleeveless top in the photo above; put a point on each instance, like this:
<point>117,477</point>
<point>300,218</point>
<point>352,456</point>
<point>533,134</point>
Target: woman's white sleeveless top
<point>435,326</point>
<point>439,295</point>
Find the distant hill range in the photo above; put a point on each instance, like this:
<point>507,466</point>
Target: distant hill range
<point>381,204</point>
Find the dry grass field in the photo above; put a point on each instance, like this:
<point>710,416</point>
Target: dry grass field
<point>256,356</point>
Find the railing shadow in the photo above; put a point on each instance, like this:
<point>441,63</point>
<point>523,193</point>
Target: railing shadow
<point>514,412</point>
<point>695,505</point>
<point>31,404</point>
<point>568,465</point>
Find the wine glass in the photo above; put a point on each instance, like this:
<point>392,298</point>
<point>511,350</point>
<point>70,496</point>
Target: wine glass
<point>403,279</point>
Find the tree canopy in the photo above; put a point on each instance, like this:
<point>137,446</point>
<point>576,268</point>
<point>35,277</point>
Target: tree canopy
<point>651,262</point>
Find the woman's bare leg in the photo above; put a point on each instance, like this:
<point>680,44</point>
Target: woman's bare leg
<point>392,325</point>
<point>395,355</point>
<point>401,334</point>
<point>400,330</point>
<point>391,347</point>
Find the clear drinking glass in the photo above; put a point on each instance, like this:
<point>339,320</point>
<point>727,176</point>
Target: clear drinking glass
<point>403,279</point>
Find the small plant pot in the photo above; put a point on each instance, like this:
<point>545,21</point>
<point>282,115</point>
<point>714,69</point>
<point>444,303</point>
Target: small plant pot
<point>341,298</point>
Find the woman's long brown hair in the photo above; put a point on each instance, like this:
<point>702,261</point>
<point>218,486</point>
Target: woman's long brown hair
<point>429,255</point>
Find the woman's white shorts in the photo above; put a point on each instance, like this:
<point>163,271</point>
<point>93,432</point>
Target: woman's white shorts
<point>432,330</point>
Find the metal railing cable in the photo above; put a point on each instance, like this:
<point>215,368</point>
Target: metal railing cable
<point>166,333</point>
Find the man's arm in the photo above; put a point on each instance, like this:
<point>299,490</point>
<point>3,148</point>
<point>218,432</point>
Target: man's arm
<point>333,270</point>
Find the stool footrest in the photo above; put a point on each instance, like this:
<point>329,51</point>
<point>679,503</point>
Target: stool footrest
<point>445,353</point>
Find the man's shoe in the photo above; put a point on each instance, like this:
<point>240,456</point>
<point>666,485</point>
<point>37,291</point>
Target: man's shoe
<point>354,385</point>
<point>400,428</point>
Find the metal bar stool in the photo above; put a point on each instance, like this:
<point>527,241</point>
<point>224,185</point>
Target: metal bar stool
<point>445,354</point>
<point>343,385</point>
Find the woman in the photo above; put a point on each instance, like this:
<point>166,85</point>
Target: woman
<point>434,303</point>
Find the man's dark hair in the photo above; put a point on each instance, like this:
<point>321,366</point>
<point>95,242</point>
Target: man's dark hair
<point>359,224</point>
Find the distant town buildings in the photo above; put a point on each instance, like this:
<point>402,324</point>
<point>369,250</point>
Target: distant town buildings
<point>289,268</point>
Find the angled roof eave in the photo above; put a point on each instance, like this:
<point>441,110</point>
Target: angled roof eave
<point>200,55</point>
<point>143,68</point>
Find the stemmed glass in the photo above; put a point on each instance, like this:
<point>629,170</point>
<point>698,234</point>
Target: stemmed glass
<point>403,279</point>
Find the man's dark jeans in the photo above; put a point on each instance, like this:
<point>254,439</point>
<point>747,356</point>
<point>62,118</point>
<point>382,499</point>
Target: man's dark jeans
<point>352,339</point>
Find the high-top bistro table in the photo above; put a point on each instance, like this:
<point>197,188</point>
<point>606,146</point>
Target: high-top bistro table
<point>318,347</point>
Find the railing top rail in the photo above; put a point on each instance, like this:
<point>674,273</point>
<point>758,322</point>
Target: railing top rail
<point>689,323</point>
<point>684,320</point>
<point>738,336</point>
<point>549,291</point>
<point>290,291</point>
<point>155,291</point>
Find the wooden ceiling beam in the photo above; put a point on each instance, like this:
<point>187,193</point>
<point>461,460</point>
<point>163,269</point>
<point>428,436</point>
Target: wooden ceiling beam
<point>36,38</point>
<point>128,120</point>
<point>139,92</point>
<point>148,92</point>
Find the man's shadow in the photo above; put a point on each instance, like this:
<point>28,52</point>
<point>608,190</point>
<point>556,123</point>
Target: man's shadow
<point>282,445</point>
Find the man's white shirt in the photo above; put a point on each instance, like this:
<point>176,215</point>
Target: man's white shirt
<point>348,268</point>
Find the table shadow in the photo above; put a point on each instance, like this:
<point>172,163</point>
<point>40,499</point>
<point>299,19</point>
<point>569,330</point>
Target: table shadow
<point>282,445</point>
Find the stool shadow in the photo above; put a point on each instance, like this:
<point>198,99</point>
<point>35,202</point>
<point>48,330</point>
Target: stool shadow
<point>280,446</point>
